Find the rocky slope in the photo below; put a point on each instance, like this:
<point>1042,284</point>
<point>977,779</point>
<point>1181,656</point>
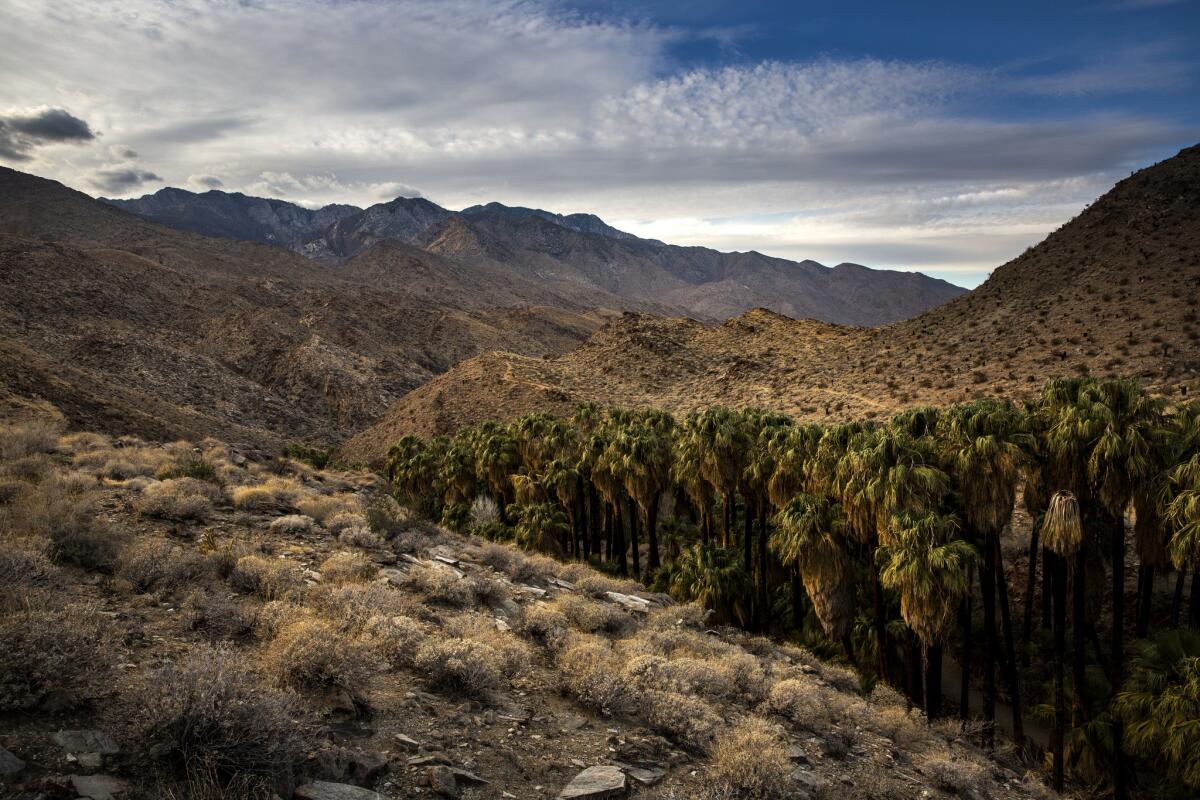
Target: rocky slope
<point>571,254</point>
<point>1113,292</point>
<point>299,628</point>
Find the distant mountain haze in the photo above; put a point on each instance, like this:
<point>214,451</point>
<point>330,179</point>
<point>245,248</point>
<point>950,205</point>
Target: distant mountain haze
<point>569,254</point>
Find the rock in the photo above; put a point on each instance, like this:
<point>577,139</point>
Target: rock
<point>469,778</point>
<point>807,782</point>
<point>560,583</point>
<point>406,743</point>
<point>796,753</point>
<point>646,776</point>
<point>595,783</point>
<point>629,602</point>
<point>10,764</point>
<point>98,787</point>
<point>90,760</point>
<point>541,594</point>
<point>442,781</point>
<point>453,562</point>
<point>321,790</point>
<point>367,767</point>
<point>392,576</point>
<point>86,742</point>
<point>431,759</point>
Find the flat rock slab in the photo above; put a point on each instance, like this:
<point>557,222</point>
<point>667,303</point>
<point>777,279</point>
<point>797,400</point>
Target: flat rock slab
<point>595,783</point>
<point>629,602</point>
<point>87,742</point>
<point>98,787</point>
<point>646,776</point>
<point>10,764</point>
<point>323,790</point>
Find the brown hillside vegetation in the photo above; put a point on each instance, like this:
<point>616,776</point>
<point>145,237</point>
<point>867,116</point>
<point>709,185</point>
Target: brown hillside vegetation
<point>1114,291</point>
<point>180,621</point>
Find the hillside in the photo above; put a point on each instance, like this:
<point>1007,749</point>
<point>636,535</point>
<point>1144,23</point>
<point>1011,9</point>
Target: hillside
<point>297,633</point>
<point>575,255</point>
<point>127,325</point>
<point>1114,291</point>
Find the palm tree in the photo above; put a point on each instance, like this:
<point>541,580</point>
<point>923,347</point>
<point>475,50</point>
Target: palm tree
<point>643,454</point>
<point>1183,512</point>
<point>540,527</point>
<point>496,459</point>
<point>712,576</point>
<point>413,466</point>
<point>561,478</point>
<point>926,563</point>
<point>719,443</point>
<point>810,534</point>
<point>983,446</point>
<point>1062,533</point>
<point>766,430</point>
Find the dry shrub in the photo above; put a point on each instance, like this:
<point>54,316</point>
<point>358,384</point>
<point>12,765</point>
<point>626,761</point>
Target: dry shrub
<point>353,605</point>
<point>84,441</point>
<point>958,776</point>
<point>179,498</point>
<point>689,615</point>
<point>344,567</point>
<point>593,617</point>
<point>512,653</point>
<point>149,564</point>
<point>591,673</point>
<point>362,537</point>
<point>519,566</point>
<point>746,675</point>
<point>269,578</point>
<point>275,615</point>
<point>397,638</point>
<point>459,665</point>
<point>385,516</point>
<point>439,584</point>
<point>293,525</point>
<point>51,649</point>
<point>210,709</point>
<point>345,520</point>
<point>313,654</point>
<point>687,720</point>
<point>132,463</point>
<point>64,514</point>
<point>322,508</point>
<point>23,438</point>
<point>546,625</point>
<point>749,761</point>
<point>801,702</point>
<point>219,616</point>
<point>688,676</point>
<point>30,469</point>
<point>595,585</point>
<point>274,494</point>
<point>202,782</point>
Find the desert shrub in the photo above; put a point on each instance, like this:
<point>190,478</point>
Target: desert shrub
<point>690,676</point>
<point>520,567</point>
<point>483,511</point>
<point>323,508</point>
<point>513,654</point>
<point>385,516</point>
<point>593,617</point>
<point>958,776</point>
<point>591,673</point>
<point>343,567</point>
<point>687,720</point>
<point>45,650</point>
<point>128,465</point>
<point>546,625</point>
<point>23,438</point>
<point>746,676</point>
<point>456,517</point>
<point>362,537</point>
<point>353,604</point>
<point>439,584</point>
<point>10,490</point>
<point>397,638</point>
<point>459,665</point>
<point>293,525</point>
<point>25,566</point>
<point>178,498</point>
<point>30,469</point>
<point>203,782</point>
<point>749,761</point>
<point>686,615</point>
<point>64,514</point>
<point>210,709</point>
<point>270,579</point>
<point>495,532</point>
<point>595,585</point>
<point>343,520</point>
<point>313,654</point>
<point>274,494</point>
<point>84,441</point>
<point>220,617</point>
<point>275,615</point>
<point>190,465</point>
<point>149,564</point>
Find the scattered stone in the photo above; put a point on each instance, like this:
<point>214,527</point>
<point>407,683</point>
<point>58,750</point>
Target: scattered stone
<point>322,790</point>
<point>90,760</point>
<point>541,594</point>
<point>10,764</point>
<point>629,602</point>
<point>453,562</point>
<point>86,742</point>
<point>560,583</point>
<point>441,780</point>
<point>367,767</point>
<point>430,759</point>
<point>796,753</point>
<point>595,783</point>
<point>406,743</point>
<point>646,776</point>
<point>98,787</point>
<point>469,778</point>
<point>392,576</point>
<point>807,782</point>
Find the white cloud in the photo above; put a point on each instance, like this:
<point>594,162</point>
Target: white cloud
<point>469,101</point>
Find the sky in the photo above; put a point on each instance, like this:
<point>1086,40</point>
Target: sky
<point>944,137</point>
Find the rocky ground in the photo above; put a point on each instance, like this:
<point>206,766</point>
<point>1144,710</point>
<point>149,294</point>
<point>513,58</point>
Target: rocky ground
<point>176,617</point>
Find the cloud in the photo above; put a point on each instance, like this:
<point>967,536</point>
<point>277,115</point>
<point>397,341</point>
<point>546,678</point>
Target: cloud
<point>22,133</point>
<point>205,181</point>
<point>120,180</point>
<point>120,152</point>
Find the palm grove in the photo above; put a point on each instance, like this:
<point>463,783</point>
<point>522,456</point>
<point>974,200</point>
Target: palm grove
<point>880,541</point>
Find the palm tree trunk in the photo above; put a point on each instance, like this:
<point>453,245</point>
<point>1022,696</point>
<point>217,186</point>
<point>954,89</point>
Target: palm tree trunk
<point>1030,587</point>
<point>635,519</point>
<point>726,518</point>
<point>798,600</point>
<point>1145,599</point>
<point>914,655</point>
<point>1011,677</point>
<point>933,681</point>
<point>1177,597</point>
<point>618,537</point>
<point>987,583</point>
<point>764,595</point>
<point>608,532</point>
<point>928,695</point>
<point>964,696</point>
<point>881,648</point>
<point>748,539</point>
<point>1194,600</point>
<point>652,532</point>
<point>1120,790</point>
<point>1059,603</point>
<point>1078,636</point>
<point>1049,576</point>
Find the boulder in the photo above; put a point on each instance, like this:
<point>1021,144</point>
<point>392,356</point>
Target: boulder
<point>646,776</point>
<point>442,781</point>
<point>10,764</point>
<point>322,790</point>
<point>595,783</point>
<point>366,767</point>
<point>98,787</point>
<point>406,742</point>
<point>87,742</point>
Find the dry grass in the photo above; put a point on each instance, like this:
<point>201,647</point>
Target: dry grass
<point>959,776</point>
<point>590,616</point>
<point>293,525</point>
<point>148,564</point>
<point>749,761</point>
<point>211,709</point>
<point>273,494</point>
<point>51,649</point>
<point>362,537</point>
<point>24,438</point>
<point>397,638</point>
<point>354,604</point>
<point>345,520</point>
<point>439,584</point>
<point>513,654</point>
<point>62,512</point>
<point>25,567</point>
<point>461,666</point>
<point>590,672</point>
<point>220,617</point>
<point>686,720</point>
<point>342,568</point>
<point>314,654</point>
<point>323,509</point>
<point>269,578</point>
<point>179,499</point>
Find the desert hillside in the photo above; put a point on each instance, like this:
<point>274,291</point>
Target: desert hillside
<point>1113,292</point>
<point>174,614</point>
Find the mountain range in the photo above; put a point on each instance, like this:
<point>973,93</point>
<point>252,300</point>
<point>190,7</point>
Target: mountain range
<point>577,255</point>
<point>1114,292</point>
